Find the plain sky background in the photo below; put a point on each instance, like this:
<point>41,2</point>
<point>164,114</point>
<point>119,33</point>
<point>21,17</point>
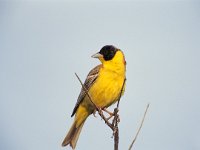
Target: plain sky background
<point>43,43</point>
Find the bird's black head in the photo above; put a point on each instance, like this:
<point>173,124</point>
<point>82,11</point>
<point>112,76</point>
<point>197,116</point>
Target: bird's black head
<point>108,52</point>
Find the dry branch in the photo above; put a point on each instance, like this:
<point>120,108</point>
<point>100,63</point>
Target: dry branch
<point>138,131</point>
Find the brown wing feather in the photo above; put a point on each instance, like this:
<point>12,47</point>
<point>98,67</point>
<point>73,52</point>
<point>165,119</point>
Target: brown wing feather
<point>92,76</point>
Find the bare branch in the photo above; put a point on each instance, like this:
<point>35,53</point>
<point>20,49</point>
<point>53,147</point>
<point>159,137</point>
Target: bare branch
<point>116,120</point>
<point>139,128</point>
<point>86,91</point>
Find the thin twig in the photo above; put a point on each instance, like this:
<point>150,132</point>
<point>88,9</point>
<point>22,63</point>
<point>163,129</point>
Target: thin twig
<point>86,91</point>
<point>121,92</point>
<point>116,120</point>
<point>116,129</point>
<point>139,128</point>
<point>116,138</point>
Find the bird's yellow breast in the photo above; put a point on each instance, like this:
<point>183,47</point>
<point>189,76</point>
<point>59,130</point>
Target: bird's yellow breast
<point>107,87</point>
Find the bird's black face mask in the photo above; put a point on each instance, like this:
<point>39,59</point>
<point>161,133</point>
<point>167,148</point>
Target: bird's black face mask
<point>108,52</point>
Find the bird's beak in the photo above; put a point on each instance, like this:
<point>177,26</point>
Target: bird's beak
<point>97,55</point>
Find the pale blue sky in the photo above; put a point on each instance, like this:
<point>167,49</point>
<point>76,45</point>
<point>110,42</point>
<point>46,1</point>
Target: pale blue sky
<point>42,44</point>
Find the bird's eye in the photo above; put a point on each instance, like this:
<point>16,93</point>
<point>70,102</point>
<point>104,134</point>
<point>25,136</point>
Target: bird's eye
<point>106,52</point>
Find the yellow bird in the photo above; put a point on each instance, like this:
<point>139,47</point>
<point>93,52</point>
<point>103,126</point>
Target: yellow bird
<point>104,84</point>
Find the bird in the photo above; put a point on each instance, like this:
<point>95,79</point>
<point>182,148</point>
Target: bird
<point>104,84</point>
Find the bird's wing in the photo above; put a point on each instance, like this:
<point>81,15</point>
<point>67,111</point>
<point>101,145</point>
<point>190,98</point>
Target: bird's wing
<point>92,76</point>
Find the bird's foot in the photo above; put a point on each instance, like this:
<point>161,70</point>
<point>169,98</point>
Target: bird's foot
<point>109,113</point>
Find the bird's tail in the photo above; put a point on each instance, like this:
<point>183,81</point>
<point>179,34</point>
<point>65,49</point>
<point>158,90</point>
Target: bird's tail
<point>73,134</point>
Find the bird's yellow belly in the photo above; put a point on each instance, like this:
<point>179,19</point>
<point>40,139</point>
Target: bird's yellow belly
<point>106,90</point>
